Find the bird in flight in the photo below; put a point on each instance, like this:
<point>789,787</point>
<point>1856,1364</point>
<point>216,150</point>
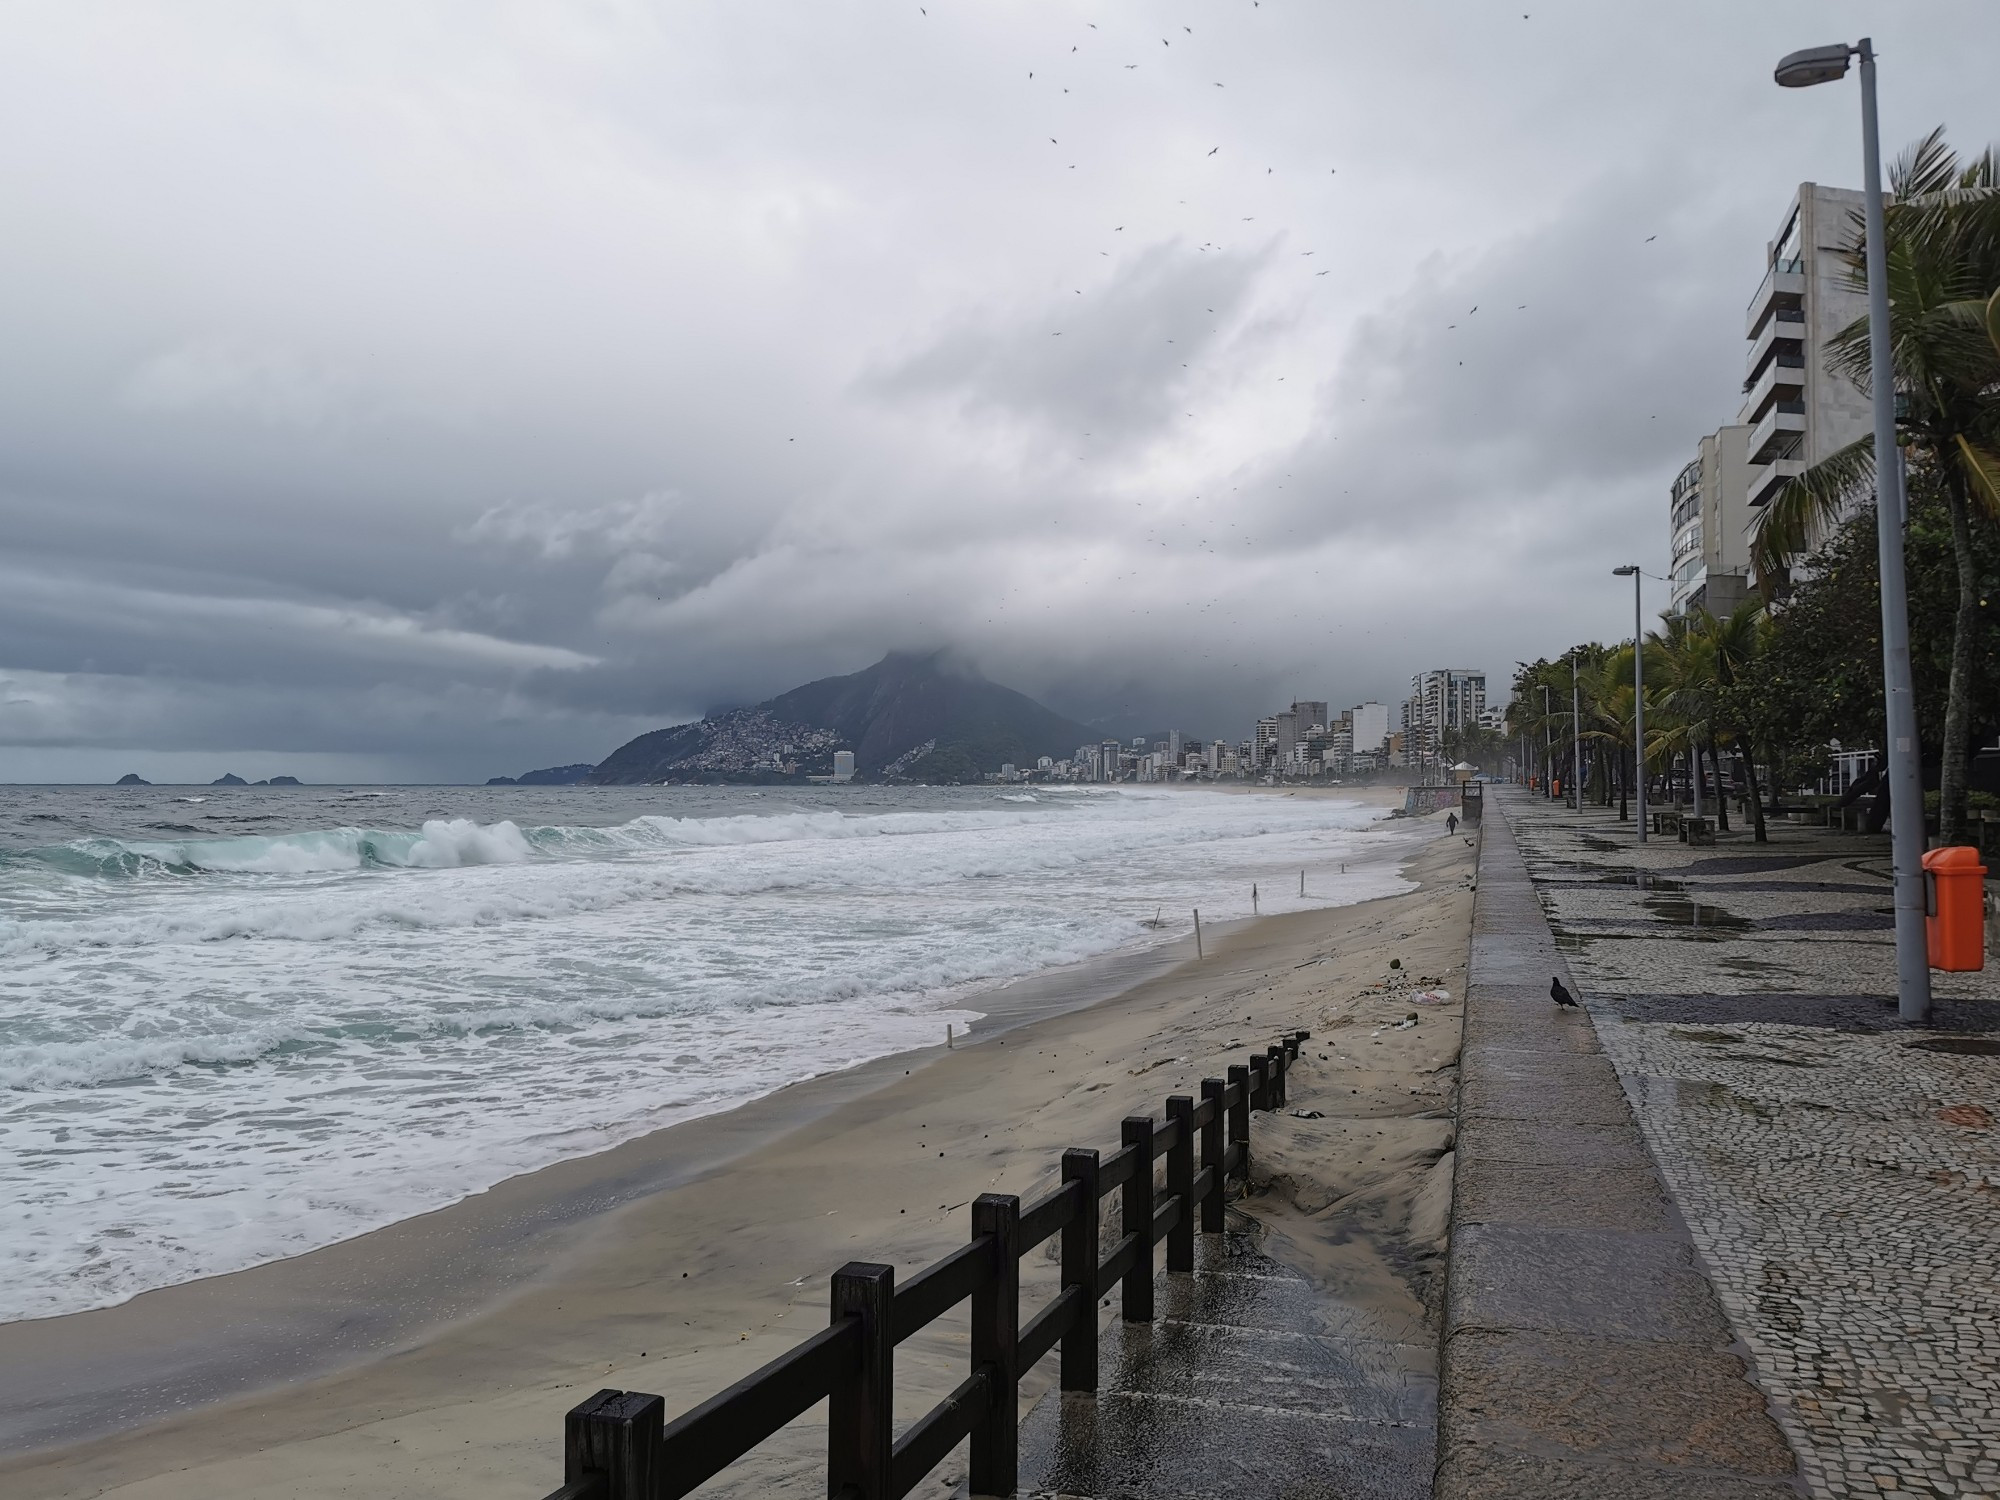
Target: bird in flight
<point>1650,238</point>
<point>1212,152</point>
<point>1560,995</point>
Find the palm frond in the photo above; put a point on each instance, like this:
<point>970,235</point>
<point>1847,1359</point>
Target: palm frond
<point>1927,166</point>
<point>1982,467</point>
<point>1790,525</point>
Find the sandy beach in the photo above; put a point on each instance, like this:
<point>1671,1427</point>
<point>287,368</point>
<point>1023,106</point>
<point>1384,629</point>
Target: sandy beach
<point>683,1260</point>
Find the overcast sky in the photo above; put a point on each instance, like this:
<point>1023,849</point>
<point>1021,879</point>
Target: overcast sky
<point>431,391</point>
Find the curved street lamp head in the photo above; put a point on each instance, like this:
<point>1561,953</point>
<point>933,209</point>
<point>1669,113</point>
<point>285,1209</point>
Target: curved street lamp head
<point>1803,69</point>
<point>1625,572</point>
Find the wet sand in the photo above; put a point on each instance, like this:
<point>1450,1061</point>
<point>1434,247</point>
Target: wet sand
<point>653,1268</point>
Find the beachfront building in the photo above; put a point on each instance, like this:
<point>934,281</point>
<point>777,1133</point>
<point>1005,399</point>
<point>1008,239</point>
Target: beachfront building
<point>1709,521</point>
<point>1797,412</point>
<point>1368,724</point>
<point>1444,698</point>
<point>843,765</point>
<point>1265,749</point>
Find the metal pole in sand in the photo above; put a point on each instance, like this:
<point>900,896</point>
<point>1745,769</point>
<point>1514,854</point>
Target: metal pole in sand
<point>1253,898</point>
<point>1302,882</point>
<point>1197,932</point>
<point>947,1036</point>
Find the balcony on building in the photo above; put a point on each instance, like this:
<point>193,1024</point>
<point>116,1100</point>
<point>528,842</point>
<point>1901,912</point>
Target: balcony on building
<point>1780,335</point>
<point>1767,479</point>
<point>1780,434</point>
<point>1782,292</point>
<point>1783,378</point>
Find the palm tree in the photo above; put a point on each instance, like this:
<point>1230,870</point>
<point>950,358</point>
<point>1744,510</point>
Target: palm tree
<point>1942,249</point>
<point>1734,641</point>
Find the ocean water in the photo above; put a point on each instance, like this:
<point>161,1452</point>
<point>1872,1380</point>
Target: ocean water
<point>238,1024</point>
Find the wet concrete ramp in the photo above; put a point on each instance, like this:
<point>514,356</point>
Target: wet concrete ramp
<point>1251,1383</point>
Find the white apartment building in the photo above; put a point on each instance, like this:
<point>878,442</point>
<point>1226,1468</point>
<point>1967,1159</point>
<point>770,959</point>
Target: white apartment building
<point>1266,746</point>
<point>1709,521</point>
<point>1797,412</point>
<point>1440,699</point>
<point>1370,723</point>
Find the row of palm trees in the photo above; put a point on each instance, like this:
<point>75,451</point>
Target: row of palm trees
<point>1697,712</point>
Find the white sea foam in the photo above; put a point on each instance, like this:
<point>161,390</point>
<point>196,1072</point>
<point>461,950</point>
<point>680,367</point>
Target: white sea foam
<point>218,1051</point>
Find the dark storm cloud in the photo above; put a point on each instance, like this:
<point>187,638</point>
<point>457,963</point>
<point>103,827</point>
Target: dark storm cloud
<point>1110,361</point>
<point>442,390</point>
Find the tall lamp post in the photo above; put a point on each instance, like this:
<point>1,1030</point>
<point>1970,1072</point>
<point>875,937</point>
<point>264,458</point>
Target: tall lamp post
<point>1576,731</point>
<point>1906,786</point>
<point>1548,748</point>
<point>1638,693</point>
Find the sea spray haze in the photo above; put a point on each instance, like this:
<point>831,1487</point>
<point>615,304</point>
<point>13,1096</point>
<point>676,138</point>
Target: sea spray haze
<point>239,1024</point>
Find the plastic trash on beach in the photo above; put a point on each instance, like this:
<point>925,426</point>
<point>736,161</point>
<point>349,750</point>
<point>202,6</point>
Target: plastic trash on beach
<point>1431,997</point>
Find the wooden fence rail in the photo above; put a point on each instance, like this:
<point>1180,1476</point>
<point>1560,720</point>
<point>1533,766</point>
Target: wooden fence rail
<point>618,1445</point>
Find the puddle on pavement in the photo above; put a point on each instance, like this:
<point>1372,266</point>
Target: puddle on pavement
<point>1959,1046</point>
<point>1696,916</point>
<point>1645,880</point>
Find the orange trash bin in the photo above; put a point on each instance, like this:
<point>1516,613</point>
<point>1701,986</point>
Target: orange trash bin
<point>1955,908</point>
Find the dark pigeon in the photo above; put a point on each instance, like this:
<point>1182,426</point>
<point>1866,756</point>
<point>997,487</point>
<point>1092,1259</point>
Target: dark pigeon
<point>1560,995</point>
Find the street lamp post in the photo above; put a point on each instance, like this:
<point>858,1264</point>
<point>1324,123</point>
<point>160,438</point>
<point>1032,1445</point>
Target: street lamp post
<point>1548,748</point>
<point>1906,786</point>
<point>1576,731</point>
<point>1638,694</point>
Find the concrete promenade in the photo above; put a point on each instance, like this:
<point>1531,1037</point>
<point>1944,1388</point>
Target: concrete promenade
<point>1836,1171</point>
<point>1584,1352</point>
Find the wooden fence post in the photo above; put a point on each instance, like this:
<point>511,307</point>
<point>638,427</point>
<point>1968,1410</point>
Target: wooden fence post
<point>1259,1083</point>
<point>1239,1118</point>
<point>1212,1154</point>
<point>1079,1269</point>
<point>1137,1296</point>
<point>1180,1183</point>
<point>1276,1071</point>
<point>996,1324</point>
<point>860,1417</point>
<point>615,1433</point>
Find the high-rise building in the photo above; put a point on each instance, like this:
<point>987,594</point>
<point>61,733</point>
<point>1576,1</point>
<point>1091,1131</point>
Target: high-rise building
<point>1709,521</point>
<point>1288,736</point>
<point>1440,699</point>
<point>1266,744</point>
<point>1371,727</point>
<point>1310,716</point>
<point>1798,411</point>
<point>843,765</point>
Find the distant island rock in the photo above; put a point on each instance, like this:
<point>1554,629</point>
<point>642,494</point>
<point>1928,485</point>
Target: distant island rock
<point>555,775</point>
<point>280,781</point>
<point>229,778</point>
<point>132,778</point>
<point>549,776</point>
<point>908,717</point>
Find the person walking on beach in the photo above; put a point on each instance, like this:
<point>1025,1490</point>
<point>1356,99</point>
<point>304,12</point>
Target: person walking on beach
<point>1451,822</point>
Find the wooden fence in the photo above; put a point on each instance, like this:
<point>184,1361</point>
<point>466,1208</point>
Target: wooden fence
<point>618,1445</point>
